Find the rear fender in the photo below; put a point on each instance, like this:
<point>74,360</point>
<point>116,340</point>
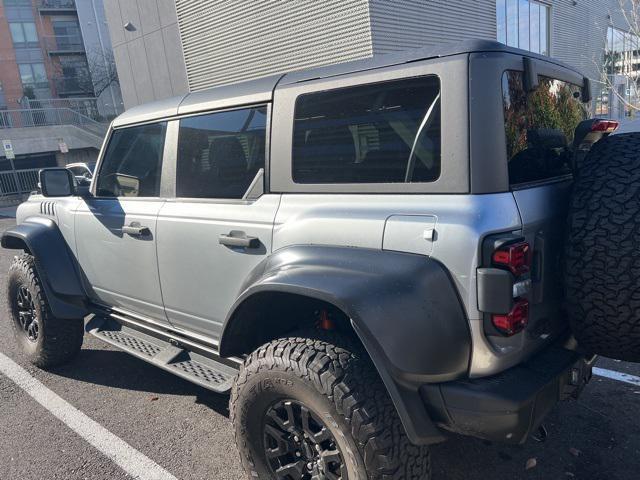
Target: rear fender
<point>403,307</point>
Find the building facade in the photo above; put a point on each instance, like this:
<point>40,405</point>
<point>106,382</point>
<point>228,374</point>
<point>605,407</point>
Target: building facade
<point>204,44</point>
<point>57,49</point>
<point>58,85</point>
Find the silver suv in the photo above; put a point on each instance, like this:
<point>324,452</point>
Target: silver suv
<point>368,255</point>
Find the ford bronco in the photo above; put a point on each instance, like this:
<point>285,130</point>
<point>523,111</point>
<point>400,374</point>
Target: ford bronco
<point>368,256</point>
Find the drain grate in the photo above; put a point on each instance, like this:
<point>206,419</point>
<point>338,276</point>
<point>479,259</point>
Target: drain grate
<point>131,343</point>
<point>201,372</point>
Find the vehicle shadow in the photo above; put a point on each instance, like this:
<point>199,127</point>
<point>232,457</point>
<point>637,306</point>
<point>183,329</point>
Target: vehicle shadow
<point>116,369</point>
<point>587,439</point>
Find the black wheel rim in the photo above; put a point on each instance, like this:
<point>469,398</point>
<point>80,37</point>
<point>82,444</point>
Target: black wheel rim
<point>299,446</point>
<point>27,315</point>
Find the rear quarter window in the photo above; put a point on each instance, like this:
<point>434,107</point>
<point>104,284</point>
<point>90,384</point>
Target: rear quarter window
<point>386,132</point>
<point>540,127</point>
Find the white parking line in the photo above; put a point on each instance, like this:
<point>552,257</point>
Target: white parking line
<point>619,376</point>
<point>124,455</point>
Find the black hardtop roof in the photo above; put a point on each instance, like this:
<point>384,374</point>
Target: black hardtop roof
<point>413,55</point>
<point>260,90</point>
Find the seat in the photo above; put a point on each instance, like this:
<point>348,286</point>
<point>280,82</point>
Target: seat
<point>230,174</point>
<point>327,156</point>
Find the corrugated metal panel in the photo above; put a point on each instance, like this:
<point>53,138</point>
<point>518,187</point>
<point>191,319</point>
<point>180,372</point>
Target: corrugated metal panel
<point>403,24</point>
<point>228,41</point>
<point>579,32</point>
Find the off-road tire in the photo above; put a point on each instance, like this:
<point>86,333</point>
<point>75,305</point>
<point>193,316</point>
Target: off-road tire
<point>58,340</point>
<point>602,269</point>
<point>335,374</point>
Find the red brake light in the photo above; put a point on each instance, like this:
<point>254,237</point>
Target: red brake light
<point>605,126</point>
<point>516,257</point>
<point>513,322</point>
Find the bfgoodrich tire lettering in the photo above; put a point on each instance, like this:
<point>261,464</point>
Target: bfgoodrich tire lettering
<point>334,378</point>
<point>602,271</point>
<point>54,341</point>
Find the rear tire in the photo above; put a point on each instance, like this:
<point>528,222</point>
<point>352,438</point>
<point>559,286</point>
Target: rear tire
<point>43,339</point>
<point>336,381</point>
<point>602,270</point>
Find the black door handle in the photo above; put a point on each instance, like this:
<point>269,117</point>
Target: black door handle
<point>237,238</point>
<point>136,230</point>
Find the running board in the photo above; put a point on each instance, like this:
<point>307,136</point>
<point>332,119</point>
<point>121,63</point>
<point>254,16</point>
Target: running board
<point>204,371</point>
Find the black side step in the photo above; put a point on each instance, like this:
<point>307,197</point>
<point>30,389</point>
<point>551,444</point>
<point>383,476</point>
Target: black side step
<point>189,365</point>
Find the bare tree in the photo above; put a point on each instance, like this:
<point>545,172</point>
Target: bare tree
<point>102,70</point>
<point>621,67</point>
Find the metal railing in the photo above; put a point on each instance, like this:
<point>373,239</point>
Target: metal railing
<point>16,183</point>
<point>43,117</point>
<point>58,4</point>
<point>64,43</point>
<point>87,106</point>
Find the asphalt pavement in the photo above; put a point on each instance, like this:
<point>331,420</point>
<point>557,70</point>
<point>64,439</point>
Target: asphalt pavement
<point>185,429</point>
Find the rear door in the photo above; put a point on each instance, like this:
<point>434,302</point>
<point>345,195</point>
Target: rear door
<point>116,228</point>
<point>540,127</point>
<point>219,226</point>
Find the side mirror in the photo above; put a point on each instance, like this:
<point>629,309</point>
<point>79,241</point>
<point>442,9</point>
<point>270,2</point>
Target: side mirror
<point>83,181</point>
<point>128,185</point>
<point>57,182</point>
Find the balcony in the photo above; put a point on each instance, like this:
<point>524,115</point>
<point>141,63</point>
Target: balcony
<point>73,86</point>
<point>64,44</point>
<point>57,7</point>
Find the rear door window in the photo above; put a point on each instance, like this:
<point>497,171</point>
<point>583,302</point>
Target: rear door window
<point>219,154</point>
<point>540,127</point>
<point>385,132</point>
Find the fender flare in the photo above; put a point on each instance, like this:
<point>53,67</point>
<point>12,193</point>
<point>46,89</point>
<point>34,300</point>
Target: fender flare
<point>404,308</point>
<point>54,262</point>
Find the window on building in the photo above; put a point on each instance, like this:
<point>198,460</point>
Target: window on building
<point>33,75</point>
<point>524,24</point>
<point>381,133</point>
<point>540,126</point>
<point>73,76</point>
<point>220,154</point>
<point>67,34</point>
<point>24,34</point>
<point>133,162</point>
<point>621,92</point>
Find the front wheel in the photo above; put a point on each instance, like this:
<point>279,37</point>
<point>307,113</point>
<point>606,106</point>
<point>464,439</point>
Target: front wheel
<point>46,341</point>
<point>315,408</point>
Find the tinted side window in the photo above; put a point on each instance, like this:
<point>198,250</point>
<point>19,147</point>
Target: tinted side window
<point>380,133</point>
<point>132,162</point>
<point>540,127</point>
<point>219,154</point>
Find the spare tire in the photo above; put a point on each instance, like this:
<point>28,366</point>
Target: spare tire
<point>602,261</point>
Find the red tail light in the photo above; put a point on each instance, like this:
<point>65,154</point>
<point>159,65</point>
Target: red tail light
<point>605,126</point>
<point>513,322</point>
<point>516,257</point>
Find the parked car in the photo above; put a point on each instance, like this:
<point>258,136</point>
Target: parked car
<point>82,171</point>
<point>368,256</point>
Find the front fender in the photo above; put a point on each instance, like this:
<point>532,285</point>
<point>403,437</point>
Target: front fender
<point>55,264</point>
<point>404,308</point>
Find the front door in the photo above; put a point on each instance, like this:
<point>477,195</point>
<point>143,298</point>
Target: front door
<point>211,236</point>
<point>118,225</point>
